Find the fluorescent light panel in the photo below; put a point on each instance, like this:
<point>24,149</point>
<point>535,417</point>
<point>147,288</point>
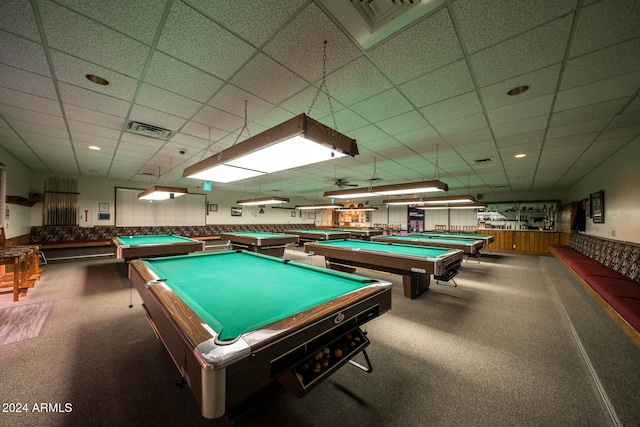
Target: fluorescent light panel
<point>303,207</point>
<point>297,142</point>
<point>262,201</point>
<point>388,190</point>
<point>431,200</point>
<point>160,192</point>
<point>469,206</point>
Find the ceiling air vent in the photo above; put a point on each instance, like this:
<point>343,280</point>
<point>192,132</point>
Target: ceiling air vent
<point>379,12</point>
<point>151,131</point>
<point>482,161</point>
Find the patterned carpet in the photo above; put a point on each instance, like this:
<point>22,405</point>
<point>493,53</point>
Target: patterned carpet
<point>23,322</point>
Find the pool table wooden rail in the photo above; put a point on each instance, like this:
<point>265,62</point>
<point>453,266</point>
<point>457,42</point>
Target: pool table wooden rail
<point>414,270</point>
<point>122,250</point>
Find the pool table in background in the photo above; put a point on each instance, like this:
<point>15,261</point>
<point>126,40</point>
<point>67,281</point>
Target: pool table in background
<point>261,242</point>
<point>360,233</point>
<point>315,235</point>
<point>467,246</point>
<point>236,321</point>
<point>414,263</point>
<point>486,238</point>
<point>130,247</point>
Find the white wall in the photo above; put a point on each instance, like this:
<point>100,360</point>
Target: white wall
<point>18,179</point>
<point>619,177</point>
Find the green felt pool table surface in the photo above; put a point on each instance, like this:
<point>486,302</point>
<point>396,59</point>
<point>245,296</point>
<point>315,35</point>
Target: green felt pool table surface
<point>159,239</point>
<point>395,249</point>
<point>256,234</point>
<point>232,303</point>
<point>426,239</point>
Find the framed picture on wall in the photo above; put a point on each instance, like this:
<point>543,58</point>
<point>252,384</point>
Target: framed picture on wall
<point>213,207</point>
<point>103,207</point>
<point>312,215</point>
<point>293,214</point>
<point>597,207</point>
<point>236,211</point>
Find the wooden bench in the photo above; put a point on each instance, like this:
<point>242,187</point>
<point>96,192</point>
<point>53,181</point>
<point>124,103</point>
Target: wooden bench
<point>609,270</point>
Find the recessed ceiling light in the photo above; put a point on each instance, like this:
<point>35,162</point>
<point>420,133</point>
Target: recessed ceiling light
<point>520,155</point>
<point>95,147</point>
<point>97,80</point>
<point>518,90</point>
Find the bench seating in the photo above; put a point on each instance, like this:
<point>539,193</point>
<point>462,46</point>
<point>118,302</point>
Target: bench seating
<point>610,271</point>
<point>73,236</point>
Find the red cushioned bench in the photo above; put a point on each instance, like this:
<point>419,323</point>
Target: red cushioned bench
<point>610,272</point>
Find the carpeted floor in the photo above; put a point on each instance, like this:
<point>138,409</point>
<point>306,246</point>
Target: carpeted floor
<point>517,343</point>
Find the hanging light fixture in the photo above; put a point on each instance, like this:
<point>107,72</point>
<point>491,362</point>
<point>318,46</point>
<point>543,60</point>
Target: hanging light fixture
<point>297,142</point>
<point>445,206</point>
<point>319,206</point>
<point>162,192</point>
<point>263,201</point>
<point>389,190</point>
<point>432,200</point>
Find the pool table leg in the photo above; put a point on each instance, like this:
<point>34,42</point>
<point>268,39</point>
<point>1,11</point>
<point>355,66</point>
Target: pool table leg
<point>415,284</point>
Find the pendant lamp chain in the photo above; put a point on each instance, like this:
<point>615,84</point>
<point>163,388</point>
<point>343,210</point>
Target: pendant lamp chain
<point>323,84</point>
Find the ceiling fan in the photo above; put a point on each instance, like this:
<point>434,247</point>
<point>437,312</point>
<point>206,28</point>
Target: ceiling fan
<point>341,183</point>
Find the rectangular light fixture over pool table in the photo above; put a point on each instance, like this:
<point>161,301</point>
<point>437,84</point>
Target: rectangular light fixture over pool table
<point>161,192</point>
<point>389,190</point>
<point>296,142</point>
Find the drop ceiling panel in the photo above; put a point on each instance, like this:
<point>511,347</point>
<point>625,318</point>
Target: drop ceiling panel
<point>24,81</point>
<point>383,106</point>
<point>538,48</point>
<point>578,128</point>
<point>463,125</point>
<point>299,46</point>
<point>423,47</point>
<point>200,42</point>
<point>605,90</point>
<point>403,123</point>
<point>29,102</point>
<point>348,86</point>
<point>453,108</point>
<point>17,17</point>
<point>267,79</point>
<point>73,71</point>
<point>447,82</point>
<point>251,20</point>
<point>23,54</point>
<point>541,82</point>
<point>93,117</point>
<point>602,64</point>
<point>76,35</point>
<point>501,20</point>
<point>521,126</point>
<point>606,109</point>
<point>604,24</point>
<point>521,110</point>
<point>84,98</point>
<point>15,116</point>
<point>165,101</point>
<point>123,15</point>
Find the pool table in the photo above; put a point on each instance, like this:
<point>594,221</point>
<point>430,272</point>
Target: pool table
<point>235,321</point>
<point>486,238</point>
<point>360,233</point>
<point>315,235</point>
<point>468,246</point>
<point>130,247</point>
<point>414,263</point>
<point>261,242</point>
